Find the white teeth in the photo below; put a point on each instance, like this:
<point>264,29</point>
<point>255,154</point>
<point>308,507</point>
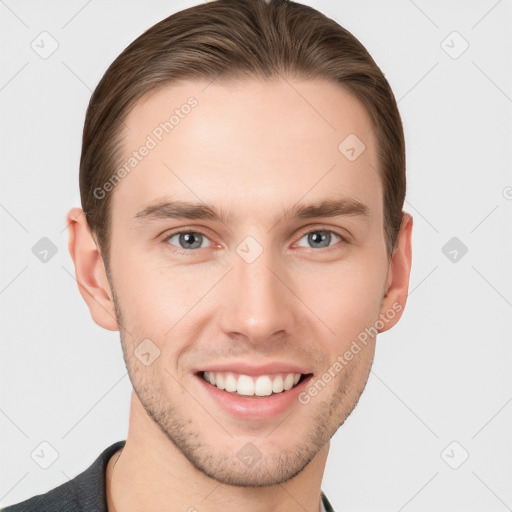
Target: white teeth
<point>277,385</point>
<point>288,382</point>
<point>263,385</point>
<point>220,381</point>
<point>230,383</point>
<point>245,385</point>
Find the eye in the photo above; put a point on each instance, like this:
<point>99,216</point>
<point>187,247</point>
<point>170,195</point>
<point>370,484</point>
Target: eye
<point>186,241</point>
<point>320,238</point>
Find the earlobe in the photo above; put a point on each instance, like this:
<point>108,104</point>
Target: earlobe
<point>397,284</point>
<point>90,271</point>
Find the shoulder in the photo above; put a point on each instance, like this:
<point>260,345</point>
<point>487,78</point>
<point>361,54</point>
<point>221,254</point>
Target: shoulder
<point>83,493</point>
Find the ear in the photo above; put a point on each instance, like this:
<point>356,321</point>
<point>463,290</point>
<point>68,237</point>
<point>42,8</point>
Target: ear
<point>397,282</point>
<point>90,270</point>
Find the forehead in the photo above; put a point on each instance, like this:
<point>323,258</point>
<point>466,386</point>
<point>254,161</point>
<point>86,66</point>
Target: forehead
<point>249,147</point>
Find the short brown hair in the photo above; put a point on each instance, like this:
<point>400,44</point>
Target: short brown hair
<point>227,40</point>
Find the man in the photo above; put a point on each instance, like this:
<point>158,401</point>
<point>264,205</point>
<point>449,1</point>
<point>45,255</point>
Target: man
<point>242,180</point>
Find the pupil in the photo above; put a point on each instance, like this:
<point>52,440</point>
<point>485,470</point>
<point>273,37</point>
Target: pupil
<point>189,239</point>
<point>323,237</point>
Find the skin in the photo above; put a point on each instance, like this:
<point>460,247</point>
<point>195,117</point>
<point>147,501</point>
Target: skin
<point>253,148</point>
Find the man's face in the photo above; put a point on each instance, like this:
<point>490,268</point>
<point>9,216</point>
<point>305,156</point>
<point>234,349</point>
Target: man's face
<point>256,287</point>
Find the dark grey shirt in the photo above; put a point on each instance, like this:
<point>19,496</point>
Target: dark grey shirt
<point>85,492</point>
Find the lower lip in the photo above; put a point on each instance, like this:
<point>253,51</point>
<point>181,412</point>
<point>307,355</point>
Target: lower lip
<point>254,407</point>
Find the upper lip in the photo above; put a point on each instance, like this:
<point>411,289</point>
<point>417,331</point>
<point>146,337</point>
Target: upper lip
<point>253,369</point>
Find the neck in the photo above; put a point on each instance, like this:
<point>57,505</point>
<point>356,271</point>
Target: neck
<point>149,472</point>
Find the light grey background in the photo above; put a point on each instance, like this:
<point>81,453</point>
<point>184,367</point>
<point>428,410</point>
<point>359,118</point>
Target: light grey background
<point>440,376</point>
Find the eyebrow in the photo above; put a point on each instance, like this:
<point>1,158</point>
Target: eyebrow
<point>165,209</point>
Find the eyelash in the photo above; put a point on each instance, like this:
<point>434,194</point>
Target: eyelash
<point>188,252</point>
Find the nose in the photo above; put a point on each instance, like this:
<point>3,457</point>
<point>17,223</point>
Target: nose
<point>258,303</point>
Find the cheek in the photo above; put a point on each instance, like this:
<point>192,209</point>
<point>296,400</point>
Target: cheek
<point>347,296</point>
<point>157,299</point>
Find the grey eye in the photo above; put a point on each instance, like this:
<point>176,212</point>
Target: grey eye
<point>188,239</point>
<point>319,238</point>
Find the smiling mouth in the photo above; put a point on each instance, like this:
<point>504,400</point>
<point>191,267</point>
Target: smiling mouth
<point>254,386</point>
